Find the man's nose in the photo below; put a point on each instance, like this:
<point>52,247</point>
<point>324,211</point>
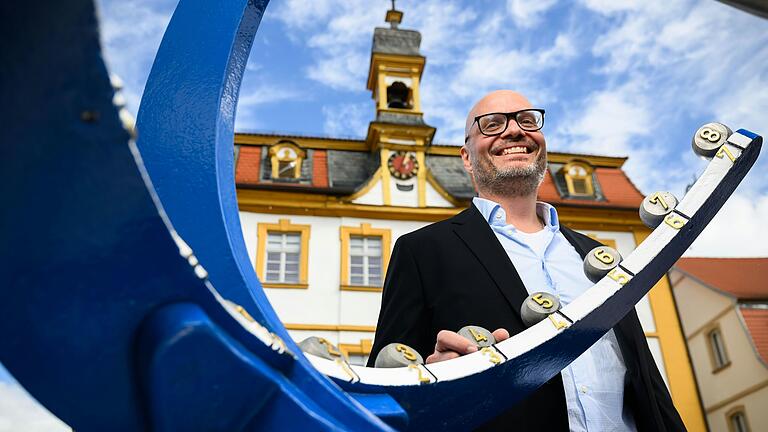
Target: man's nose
<point>513,131</point>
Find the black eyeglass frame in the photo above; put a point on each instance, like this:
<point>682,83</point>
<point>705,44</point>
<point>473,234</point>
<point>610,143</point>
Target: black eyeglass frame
<point>508,116</point>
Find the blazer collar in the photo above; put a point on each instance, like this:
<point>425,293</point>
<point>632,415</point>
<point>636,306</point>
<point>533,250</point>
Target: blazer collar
<point>475,232</point>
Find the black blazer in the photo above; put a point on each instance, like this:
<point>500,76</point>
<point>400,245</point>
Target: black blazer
<point>455,273</point>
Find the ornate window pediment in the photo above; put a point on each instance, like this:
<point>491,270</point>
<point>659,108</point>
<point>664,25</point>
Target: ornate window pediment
<point>578,179</point>
<point>286,158</point>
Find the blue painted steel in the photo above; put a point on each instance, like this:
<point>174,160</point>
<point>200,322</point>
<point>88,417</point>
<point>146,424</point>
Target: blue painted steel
<point>97,318</point>
<point>185,134</point>
<point>107,325</point>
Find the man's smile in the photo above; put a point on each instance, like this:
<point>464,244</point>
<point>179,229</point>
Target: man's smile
<point>514,150</point>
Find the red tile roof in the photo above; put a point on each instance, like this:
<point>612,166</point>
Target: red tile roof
<point>617,189</point>
<point>248,164</point>
<point>744,278</point>
<point>757,324</point>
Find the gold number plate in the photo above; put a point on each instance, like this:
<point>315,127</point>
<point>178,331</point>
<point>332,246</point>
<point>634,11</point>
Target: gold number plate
<point>710,135</point>
<point>656,198</point>
<point>422,379</point>
<point>604,256</point>
<point>675,221</point>
<point>558,323</point>
<point>479,337</point>
<point>543,301</point>
<point>348,370</point>
<point>329,347</point>
<point>619,276</point>
<point>725,152</point>
<point>493,356</point>
<point>406,352</point>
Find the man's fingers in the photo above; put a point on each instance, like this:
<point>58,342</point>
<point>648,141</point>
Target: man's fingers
<point>442,356</point>
<point>452,341</point>
<point>500,334</point>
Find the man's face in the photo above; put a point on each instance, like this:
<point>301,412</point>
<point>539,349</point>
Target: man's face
<point>510,164</point>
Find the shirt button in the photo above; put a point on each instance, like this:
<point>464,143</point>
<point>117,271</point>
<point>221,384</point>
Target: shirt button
<point>498,215</point>
<point>584,389</point>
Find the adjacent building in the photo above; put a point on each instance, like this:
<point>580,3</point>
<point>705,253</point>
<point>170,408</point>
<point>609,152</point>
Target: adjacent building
<point>723,306</point>
<point>320,215</point>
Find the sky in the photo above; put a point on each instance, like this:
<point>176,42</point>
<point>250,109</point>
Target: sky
<point>631,78</point>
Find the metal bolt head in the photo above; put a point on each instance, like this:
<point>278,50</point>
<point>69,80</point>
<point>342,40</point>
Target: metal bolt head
<point>538,306</point>
<point>479,336</point>
<point>709,138</point>
<point>397,355</point>
<point>655,207</point>
<point>599,261</point>
<point>320,347</point>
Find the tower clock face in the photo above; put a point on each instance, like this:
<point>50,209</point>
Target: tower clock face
<point>403,165</point>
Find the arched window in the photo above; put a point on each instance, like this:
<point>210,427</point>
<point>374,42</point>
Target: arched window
<point>286,158</point>
<point>737,420</point>
<point>717,351</point>
<point>578,179</point>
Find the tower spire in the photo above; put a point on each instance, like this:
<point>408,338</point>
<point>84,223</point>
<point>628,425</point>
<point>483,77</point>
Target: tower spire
<point>394,16</point>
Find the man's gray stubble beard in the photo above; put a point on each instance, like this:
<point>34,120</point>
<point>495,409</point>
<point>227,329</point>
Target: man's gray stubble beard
<point>511,182</point>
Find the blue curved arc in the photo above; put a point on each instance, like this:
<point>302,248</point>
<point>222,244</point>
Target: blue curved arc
<point>185,132</point>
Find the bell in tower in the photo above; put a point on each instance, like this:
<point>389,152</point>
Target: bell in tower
<point>398,96</point>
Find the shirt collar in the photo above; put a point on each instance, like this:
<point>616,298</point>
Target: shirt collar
<point>495,215</point>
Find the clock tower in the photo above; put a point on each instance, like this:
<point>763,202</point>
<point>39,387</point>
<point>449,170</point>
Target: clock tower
<point>398,133</point>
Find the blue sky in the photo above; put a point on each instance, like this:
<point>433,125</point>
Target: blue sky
<point>622,78</point>
<point>629,78</point>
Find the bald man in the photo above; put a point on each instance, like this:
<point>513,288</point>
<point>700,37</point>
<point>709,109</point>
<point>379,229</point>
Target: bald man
<point>477,268</point>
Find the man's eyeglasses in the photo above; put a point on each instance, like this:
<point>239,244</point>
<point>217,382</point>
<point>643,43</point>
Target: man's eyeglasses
<point>493,124</point>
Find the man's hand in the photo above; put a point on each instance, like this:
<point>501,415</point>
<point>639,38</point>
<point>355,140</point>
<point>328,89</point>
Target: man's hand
<point>451,345</point>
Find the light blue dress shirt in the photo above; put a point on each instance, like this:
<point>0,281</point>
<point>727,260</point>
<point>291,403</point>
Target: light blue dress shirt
<point>545,261</point>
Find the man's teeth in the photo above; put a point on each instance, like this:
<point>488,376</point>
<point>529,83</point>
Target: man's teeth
<point>513,150</point>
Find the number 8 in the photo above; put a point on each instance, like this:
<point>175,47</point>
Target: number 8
<point>710,135</point>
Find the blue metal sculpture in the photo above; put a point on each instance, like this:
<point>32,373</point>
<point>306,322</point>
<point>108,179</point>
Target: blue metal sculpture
<point>113,322</point>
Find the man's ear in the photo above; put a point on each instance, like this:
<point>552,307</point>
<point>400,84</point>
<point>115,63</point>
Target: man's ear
<point>465,158</point>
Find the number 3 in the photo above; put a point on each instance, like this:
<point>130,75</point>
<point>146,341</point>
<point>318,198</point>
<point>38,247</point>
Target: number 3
<point>408,354</point>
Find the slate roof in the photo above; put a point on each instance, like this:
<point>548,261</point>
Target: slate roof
<point>743,278</point>
<point>449,172</point>
<point>349,170</point>
<point>396,41</point>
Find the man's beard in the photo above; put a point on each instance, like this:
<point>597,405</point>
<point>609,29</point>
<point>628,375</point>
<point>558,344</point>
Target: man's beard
<point>511,181</point>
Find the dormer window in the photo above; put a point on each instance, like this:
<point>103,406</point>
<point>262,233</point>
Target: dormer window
<point>286,158</point>
<point>578,179</point>
<point>398,96</point>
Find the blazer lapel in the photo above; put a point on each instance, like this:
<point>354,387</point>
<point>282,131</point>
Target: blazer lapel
<point>475,232</point>
<point>628,329</point>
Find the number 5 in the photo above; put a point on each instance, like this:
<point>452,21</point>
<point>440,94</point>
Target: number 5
<point>543,302</point>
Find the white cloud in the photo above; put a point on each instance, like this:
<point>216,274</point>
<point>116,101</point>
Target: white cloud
<point>341,71</point>
<point>608,120</point>
<point>20,412</point>
<point>253,97</point>
<point>301,14</point>
<point>486,68</point>
<point>607,7</point>
<point>526,13</point>
<point>131,34</point>
<point>737,230</point>
<point>347,119</point>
